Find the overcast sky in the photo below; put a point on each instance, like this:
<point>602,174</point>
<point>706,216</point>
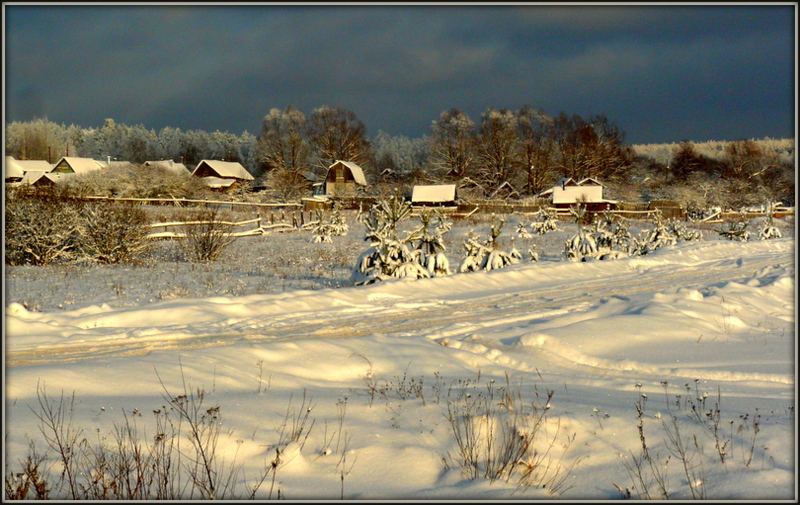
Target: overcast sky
<point>661,73</point>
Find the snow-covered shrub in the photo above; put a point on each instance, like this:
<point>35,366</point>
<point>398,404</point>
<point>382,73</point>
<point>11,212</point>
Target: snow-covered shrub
<point>768,229</point>
<point>112,232</point>
<point>41,228</point>
<point>430,245</point>
<point>474,251</point>
<point>388,255</point>
<point>522,230</point>
<point>584,244</point>
<point>735,231</point>
<point>487,255</point>
<point>209,238</point>
<point>650,240</point>
<point>546,220</point>
<point>497,258</point>
<point>681,232</point>
<point>533,253</point>
<point>580,246</point>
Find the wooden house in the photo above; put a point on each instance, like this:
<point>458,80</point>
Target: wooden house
<point>15,169</point>
<point>439,195</point>
<point>169,165</point>
<point>469,189</point>
<point>233,174</point>
<point>343,179</point>
<point>568,192</point>
<point>504,191</point>
<point>72,165</point>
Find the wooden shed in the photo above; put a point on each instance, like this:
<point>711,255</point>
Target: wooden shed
<point>343,178</point>
<point>438,195</point>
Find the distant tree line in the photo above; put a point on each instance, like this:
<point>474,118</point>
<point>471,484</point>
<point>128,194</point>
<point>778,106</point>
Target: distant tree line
<point>527,148</point>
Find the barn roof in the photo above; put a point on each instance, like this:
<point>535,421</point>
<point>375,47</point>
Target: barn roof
<point>226,169</point>
<point>178,168</point>
<point>218,182</point>
<point>434,193</point>
<point>21,167</point>
<point>32,177</point>
<point>358,173</point>
<point>81,165</point>
<point>569,181</point>
<point>12,168</point>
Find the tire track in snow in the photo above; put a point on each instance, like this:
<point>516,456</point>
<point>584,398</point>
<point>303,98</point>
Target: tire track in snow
<point>431,318</point>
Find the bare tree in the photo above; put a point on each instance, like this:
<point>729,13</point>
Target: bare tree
<point>496,143</point>
<point>534,146</point>
<point>283,142</point>
<point>452,143</point>
<point>337,134</point>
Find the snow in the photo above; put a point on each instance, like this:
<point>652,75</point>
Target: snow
<point>711,318</point>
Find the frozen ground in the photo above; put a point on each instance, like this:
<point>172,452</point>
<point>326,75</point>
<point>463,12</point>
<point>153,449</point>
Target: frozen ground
<point>609,356</point>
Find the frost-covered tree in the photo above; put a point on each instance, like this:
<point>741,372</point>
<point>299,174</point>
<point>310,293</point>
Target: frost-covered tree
<point>487,255</point>
<point>768,229</point>
<point>583,245</point>
<point>338,134</point>
<point>389,255</point>
<point>496,146</point>
<point>452,143</point>
<point>681,232</point>
<point>430,244</point>
<point>735,231</point>
<point>402,155</point>
<point>534,144</point>
<point>522,230</point>
<point>283,142</point>
<point>657,237</point>
<point>546,219</point>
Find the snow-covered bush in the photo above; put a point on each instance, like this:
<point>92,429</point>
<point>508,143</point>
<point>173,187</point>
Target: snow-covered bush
<point>205,241</point>
<point>323,230</point>
<point>487,255</point>
<point>522,230</point>
<point>41,228</point>
<point>546,220</point>
<point>112,232</point>
<point>388,255</point>
<point>584,244</point>
<point>735,231</point>
<point>681,232</point>
<point>657,237</point>
<point>430,245</point>
<point>768,229</point>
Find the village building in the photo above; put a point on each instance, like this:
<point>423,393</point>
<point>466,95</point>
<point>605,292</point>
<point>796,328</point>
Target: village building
<point>344,178</point>
<point>15,169</point>
<point>223,175</point>
<point>568,192</point>
<point>73,165</point>
<point>439,195</point>
<point>169,165</point>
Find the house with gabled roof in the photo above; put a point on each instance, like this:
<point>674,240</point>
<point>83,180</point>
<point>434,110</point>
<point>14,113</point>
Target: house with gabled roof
<point>223,175</point>
<point>169,165</point>
<point>588,191</point>
<point>222,169</point>
<point>15,169</point>
<point>343,178</point>
<point>72,165</point>
<point>41,179</point>
<point>434,195</point>
<point>504,190</point>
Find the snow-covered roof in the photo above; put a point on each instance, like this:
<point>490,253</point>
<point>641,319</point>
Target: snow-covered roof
<point>81,165</point>
<point>218,182</point>
<point>178,168</point>
<point>21,167</point>
<point>225,169</point>
<point>569,181</point>
<point>435,193</point>
<point>505,187</point>
<point>358,173</point>
<point>33,177</point>
<point>12,168</point>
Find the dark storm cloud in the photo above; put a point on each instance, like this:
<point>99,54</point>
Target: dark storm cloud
<point>663,73</point>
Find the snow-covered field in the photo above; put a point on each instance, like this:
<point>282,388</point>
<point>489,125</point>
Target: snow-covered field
<point>362,390</point>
